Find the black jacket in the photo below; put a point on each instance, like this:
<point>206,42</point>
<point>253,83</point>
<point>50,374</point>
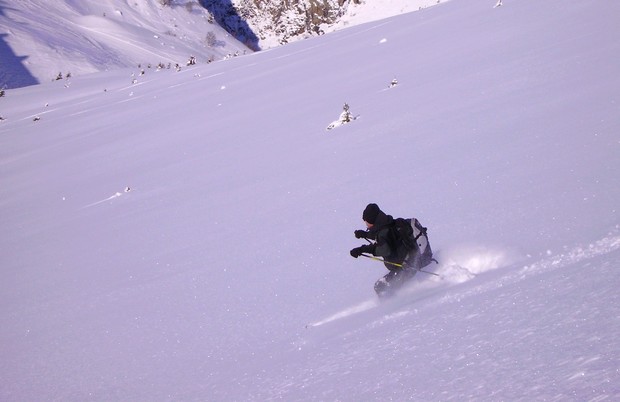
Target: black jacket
<point>386,244</point>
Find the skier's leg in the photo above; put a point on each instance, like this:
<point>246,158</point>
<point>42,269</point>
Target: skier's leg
<point>383,285</point>
<point>391,282</point>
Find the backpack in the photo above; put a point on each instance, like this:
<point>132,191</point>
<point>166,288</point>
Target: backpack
<point>412,236</point>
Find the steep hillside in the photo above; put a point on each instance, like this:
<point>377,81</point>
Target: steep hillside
<point>185,235</point>
<point>41,39</point>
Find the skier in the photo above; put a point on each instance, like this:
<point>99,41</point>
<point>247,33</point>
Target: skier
<point>401,261</point>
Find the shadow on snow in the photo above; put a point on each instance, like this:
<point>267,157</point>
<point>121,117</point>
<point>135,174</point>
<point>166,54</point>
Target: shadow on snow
<point>228,18</point>
<point>13,73</point>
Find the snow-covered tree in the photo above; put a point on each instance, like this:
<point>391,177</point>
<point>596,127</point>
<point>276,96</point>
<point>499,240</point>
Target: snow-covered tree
<point>345,116</point>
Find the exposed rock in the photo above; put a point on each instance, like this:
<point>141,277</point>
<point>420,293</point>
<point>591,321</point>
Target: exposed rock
<point>266,23</point>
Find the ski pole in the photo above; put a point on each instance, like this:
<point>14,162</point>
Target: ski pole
<point>379,259</point>
<point>396,264</point>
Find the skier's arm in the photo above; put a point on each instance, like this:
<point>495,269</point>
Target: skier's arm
<point>367,248</point>
<point>382,247</point>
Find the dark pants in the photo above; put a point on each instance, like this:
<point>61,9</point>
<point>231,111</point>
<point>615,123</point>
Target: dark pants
<point>393,281</point>
<point>398,276</point>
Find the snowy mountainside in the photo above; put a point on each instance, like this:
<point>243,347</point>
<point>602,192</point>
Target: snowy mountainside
<point>186,235</point>
<point>41,39</point>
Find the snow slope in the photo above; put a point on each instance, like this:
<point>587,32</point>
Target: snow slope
<point>186,236</point>
<point>39,39</point>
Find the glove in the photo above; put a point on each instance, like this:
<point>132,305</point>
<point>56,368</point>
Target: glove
<point>361,234</point>
<point>356,252</point>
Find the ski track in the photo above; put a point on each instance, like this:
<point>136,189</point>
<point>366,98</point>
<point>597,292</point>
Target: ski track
<point>577,254</point>
<point>112,197</point>
<point>358,308</point>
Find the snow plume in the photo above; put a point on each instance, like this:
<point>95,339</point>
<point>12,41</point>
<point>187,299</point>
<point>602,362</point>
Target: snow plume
<point>462,263</point>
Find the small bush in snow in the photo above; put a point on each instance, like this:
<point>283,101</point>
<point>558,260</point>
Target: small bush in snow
<point>211,39</point>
